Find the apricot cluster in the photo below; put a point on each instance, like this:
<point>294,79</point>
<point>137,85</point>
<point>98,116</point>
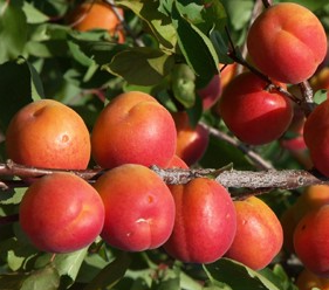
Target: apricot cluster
<point>129,207</point>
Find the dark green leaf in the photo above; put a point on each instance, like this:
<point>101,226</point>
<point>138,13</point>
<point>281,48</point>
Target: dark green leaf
<point>238,276</point>
<point>196,47</point>
<point>111,274</point>
<point>159,24</point>
<point>141,66</point>
<point>15,89</point>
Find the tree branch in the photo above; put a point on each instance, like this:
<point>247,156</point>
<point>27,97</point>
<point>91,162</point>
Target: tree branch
<point>262,181</point>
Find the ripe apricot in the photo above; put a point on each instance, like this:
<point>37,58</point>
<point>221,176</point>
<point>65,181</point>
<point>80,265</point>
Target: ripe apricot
<point>259,235</point>
<point>134,128</point>
<point>316,136</point>
<point>311,241</point>
<point>49,134</point>
<point>177,162</point>
<point>287,42</point>
<point>61,213</point>
<point>205,222</point>
<point>139,208</point>
<point>255,115</point>
<point>306,280</point>
<point>191,142</point>
<point>97,15</point>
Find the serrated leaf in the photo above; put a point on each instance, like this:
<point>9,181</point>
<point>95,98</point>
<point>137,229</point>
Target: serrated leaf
<point>158,22</point>
<point>141,66</point>
<point>238,276</point>
<point>196,47</point>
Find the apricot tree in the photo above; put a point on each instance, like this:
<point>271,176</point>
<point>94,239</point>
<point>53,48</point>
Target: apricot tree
<point>156,144</point>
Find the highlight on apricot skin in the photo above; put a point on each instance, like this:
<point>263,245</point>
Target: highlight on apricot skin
<point>287,42</point>
<point>61,213</point>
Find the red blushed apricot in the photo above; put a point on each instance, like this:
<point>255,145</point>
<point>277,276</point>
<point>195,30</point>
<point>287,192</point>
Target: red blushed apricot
<point>259,235</point>
<point>61,213</point>
<point>311,241</point>
<point>49,134</point>
<point>306,280</point>
<point>205,222</point>
<point>191,142</point>
<point>211,92</point>
<point>139,208</point>
<point>316,136</point>
<point>97,15</point>
<point>287,42</point>
<point>253,114</point>
<point>134,128</point>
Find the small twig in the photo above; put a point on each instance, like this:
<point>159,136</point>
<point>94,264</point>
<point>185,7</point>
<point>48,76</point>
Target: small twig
<point>4,220</point>
<point>307,102</point>
<point>267,3</point>
<point>257,159</point>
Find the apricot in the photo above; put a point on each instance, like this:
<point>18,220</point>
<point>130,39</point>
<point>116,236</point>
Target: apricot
<point>254,115</point>
<point>97,15</point>
<point>134,128</point>
<point>177,162</point>
<point>139,208</point>
<point>191,142</point>
<point>211,92</point>
<point>259,235</point>
<point>287,42</point>
<point>205,222</point>
<point>47,133</point>
<point>61,213</point>
<point>311,241</point>
<point>316,136</point>
<point>306,280</point>
<point>312,198</point>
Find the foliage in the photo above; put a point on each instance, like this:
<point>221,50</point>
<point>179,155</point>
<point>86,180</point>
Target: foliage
<point>41,56</point>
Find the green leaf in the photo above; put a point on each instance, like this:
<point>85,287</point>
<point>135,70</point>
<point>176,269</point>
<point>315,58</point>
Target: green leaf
<point>13,30</point>
<point>65,264</point>
<point>320,96</point>
<point>12,282</point>
<point>240,12</point>
<point>196,47</point>
<point>33,15</point>
<point>141,66</point>
<point>238,276</point>
<point>45,279</point>
<point>111,274</point>
<point>15,89</point>
<point>183,85</point>
<point>159,24</point>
